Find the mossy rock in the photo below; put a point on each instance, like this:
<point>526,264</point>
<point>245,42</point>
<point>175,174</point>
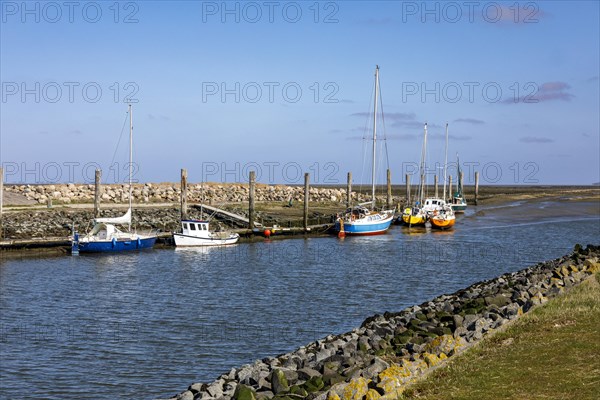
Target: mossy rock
<point>314,384</point>
<point>414,324</point>
<point>380,352</point>
<point>299,391</point>
<point>416,340</point>
<point>425,334</point>
<point>279,382</point>
<point>243,392</point>
<point>469,311</point>
<point>445,317</point>
<point>401,339</point>
<point>421,316</point>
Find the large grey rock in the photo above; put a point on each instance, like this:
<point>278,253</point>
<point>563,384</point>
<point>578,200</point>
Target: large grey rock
<point>307,373</point>
<point>187,395</point>
<point>279,383</point>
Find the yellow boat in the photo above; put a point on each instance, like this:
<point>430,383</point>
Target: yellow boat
<point>443,219</point>
<point>413,219</point>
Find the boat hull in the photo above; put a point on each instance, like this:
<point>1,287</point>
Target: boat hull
<point>413,220</point>
<point>442,223</point>
<point>459,207</point>
<point>360,228</point>
<point>116,246</point>
<point>192,241</point>
<point>408,218</point>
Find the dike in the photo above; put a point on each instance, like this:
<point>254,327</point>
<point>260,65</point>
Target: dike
<point>390,351</point>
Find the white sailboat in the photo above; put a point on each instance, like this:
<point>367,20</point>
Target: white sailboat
<point>360,220</point>
<point>105,236</point>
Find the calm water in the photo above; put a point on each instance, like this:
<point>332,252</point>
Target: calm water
<point>149,324</point>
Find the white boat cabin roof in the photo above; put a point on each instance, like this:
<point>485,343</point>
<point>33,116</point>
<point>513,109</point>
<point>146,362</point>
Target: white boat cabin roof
<point>194,224</point>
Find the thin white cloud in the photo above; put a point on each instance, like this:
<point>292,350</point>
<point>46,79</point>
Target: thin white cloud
<point>535,139</point>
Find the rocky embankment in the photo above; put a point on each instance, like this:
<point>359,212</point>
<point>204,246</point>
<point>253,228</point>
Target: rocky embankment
<point>58,223</point>
<point>389,351</point>
<point>169,193</point>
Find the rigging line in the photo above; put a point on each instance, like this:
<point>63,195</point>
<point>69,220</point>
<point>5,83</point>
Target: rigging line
<point>387,158</point>
<point>365,140</point>
<point>119,142</point>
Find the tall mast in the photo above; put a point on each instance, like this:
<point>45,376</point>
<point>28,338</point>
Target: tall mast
<point>130,160</point>
<point>374,136</point>
<point>445,162</point>
<point>423,166</point>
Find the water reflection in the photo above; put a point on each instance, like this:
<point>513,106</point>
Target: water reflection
<point>157,321</point>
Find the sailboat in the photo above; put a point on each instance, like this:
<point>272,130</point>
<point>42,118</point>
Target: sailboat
<point>458,201</point>
<point>414,215</point>
<point>444,217</point>
<point>105,236</point>
<point>360,220</point>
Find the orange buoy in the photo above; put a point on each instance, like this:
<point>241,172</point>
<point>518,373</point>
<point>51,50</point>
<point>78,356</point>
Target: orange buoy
<point>267,233</point>
<point>341,233</point>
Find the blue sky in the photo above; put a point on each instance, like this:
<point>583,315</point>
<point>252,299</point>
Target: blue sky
<point>285,88</point>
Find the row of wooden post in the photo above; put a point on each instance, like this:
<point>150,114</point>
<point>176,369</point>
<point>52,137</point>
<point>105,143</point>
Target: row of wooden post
<point>251,203</point>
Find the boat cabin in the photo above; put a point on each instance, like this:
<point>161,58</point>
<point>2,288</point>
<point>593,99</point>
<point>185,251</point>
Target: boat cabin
<point>194,228</point>
<point>433,204</point>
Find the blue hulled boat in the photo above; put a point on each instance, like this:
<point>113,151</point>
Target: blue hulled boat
<point>360,220</point>
<point>105,237</point>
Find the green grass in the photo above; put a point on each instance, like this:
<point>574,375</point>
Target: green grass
<point>551,353</point>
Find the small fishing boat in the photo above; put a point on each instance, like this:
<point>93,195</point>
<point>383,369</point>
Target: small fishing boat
<point>360,220</point>
<point>105,236</point>
<point>197,233</point>
<point>432,204</point>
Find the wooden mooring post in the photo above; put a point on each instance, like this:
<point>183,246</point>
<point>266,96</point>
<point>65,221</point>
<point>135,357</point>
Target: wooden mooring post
<point>306,199</point>
<point>389,189</point>
<point>476,186</point>
<point>407,189</point>
<point>184,207</point>
<point>349,191</point>
<point>435,185</point>
<point>251,200</point>
<point>97,178</point>
<point>1,202</point>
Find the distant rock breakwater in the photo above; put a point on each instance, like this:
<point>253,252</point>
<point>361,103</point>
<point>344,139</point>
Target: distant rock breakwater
<point>170,193</point>
<point>390,351</point>
<point>59,222</point>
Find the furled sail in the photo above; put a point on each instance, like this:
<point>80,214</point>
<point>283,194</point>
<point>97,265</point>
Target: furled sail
<point>122,220</point>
